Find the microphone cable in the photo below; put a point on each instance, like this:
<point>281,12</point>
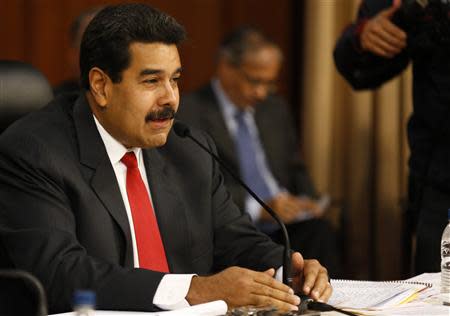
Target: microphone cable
<point>183,131</point>
<point>308,303</point>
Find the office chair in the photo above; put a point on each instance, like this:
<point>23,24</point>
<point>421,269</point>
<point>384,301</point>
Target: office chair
<point>23,89</point>
<point>21,294</point>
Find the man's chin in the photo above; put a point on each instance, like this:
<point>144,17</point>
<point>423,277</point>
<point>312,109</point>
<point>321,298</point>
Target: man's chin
<point>157,140</point>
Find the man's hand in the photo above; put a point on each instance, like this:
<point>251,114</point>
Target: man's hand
<point>382,37</point>
<point>288,207</point>
<point>310,278</point>
<point>242,287</point>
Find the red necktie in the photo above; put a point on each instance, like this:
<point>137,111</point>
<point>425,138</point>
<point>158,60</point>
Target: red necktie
<point>148,239</point>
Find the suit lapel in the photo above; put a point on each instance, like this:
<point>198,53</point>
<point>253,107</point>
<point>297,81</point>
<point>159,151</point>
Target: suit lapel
<point>261,123</point>
<point>266,132</point>
<point>214,119</point>
<point>99,170</point>
<point>170,211</point>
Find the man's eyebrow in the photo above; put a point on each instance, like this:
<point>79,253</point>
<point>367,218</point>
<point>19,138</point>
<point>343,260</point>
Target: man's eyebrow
<point>146,72</point>
<point>178,70</point>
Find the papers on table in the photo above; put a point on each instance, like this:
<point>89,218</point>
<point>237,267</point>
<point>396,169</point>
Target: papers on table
<point>415,296</point>
<point>371,294</point>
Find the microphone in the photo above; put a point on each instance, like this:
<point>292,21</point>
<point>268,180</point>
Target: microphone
<point>183,131</point>
<point>306,303</point>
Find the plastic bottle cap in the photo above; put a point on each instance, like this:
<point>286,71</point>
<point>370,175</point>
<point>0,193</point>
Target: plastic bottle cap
<point>83,297</point>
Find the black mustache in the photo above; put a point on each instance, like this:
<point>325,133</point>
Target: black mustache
<point>167,113</point>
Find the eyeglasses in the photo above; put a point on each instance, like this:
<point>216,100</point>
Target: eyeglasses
<point>270,85</point>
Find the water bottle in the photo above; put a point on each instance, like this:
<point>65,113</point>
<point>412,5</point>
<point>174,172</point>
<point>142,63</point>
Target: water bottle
<point>84,303</point>
<point>445,264</point>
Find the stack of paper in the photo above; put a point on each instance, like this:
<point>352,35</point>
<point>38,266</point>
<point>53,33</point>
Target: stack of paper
<point>415,296</point>
<point>372,295</point>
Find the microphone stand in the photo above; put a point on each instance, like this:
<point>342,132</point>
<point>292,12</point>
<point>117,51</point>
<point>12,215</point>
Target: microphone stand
<point>183,131</point>
<point>307,303</point>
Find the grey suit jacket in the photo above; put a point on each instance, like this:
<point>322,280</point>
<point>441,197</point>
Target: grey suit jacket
<point>62,217</point>
<point>276,130</point>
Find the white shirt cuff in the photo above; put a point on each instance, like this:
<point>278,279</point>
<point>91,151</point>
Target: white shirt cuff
<point>173,288</point>
<point>253,208</point>
<point>279,274</point>
<point>172,291</point>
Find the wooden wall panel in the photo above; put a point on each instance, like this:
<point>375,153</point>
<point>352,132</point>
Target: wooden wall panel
<point>12,30</point>
<point>36,31</point>
<point>45,36</point>
<point>202,20</point>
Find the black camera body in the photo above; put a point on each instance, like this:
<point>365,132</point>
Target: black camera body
<point>427,23</point>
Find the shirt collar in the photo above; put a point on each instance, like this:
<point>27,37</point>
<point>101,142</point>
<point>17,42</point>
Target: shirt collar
<point>227,106</point>
<point>114,148</point>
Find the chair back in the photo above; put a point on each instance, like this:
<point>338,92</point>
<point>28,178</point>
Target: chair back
<point>21,294</point>
<point>23,89</point>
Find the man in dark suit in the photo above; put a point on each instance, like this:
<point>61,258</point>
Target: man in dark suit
<point>240,100</point>
<point>97,192</point>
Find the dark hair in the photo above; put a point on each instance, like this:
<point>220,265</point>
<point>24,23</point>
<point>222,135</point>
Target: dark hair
<point>242,41</point>
<point>107,38</point>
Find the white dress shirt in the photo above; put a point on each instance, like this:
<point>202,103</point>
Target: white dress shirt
<point>173,288</point>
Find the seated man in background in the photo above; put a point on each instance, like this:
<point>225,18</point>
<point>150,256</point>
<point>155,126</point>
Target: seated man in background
<point>97,193</point>
<point>255,136</point>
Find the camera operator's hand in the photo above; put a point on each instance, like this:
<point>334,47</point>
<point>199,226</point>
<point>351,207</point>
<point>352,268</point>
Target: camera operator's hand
<point>382,37</point>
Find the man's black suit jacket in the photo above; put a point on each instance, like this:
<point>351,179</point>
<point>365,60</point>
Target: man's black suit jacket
<point>63,219</point>
<point>277,134</point>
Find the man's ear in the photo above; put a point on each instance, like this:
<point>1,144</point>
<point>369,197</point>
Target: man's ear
<point>223,65</point>
<point>99,82</point>
<point>225,70</point>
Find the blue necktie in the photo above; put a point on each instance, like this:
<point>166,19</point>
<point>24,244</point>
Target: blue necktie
<point>247,159</point>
